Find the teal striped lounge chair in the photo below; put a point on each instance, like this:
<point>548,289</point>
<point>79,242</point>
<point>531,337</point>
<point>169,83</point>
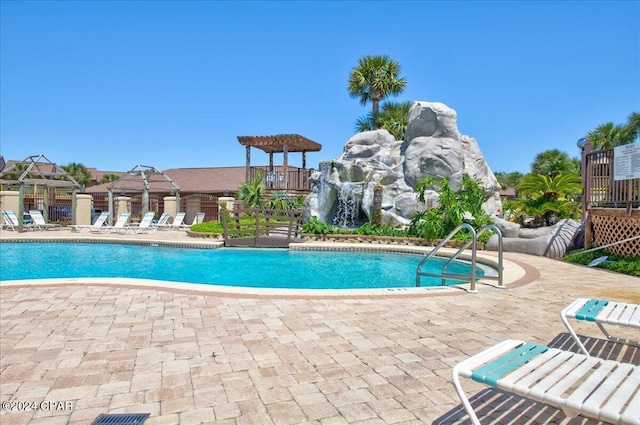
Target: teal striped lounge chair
<point>578,384</point>
<point>602,312</point>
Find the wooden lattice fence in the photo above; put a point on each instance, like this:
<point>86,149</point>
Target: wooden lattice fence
<point>614,225</point>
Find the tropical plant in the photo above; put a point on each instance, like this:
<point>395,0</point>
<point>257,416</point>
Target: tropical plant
<point>464,206</point>
<point>79,172</point>
<point>393,117</point>
<point>108,178</point>
<point>553,162</point>
<point>509,180</point>
<point>374,78</point>
<point>610,135</point>
<point>562,186</point>
<point>548,198</point>
<point>251,193</point>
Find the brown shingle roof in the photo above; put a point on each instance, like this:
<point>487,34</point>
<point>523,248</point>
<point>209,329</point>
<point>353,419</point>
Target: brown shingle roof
<point>204,180</point>
<point>198,180</point>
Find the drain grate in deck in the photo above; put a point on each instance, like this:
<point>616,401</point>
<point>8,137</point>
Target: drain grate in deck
<point>121,419</point>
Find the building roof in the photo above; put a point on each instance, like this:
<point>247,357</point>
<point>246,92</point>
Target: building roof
<point>210,179</point>
<point>197,180</point>
<point>276,143</point>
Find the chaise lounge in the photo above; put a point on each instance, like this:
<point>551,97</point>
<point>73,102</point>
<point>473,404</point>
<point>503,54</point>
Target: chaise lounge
<point>578,384</point>
<point>602,312</point>
<point>40,223</point>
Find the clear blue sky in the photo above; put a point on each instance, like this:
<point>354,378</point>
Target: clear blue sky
<point>113,84</point>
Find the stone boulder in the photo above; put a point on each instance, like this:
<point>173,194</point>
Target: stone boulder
<point>552,241</point>
<point>342,191</point>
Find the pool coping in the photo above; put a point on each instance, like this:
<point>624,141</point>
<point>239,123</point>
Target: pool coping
<point>515,273</point>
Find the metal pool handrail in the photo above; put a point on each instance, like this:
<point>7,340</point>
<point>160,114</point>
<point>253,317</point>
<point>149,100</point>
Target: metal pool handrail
<point>471,278</point>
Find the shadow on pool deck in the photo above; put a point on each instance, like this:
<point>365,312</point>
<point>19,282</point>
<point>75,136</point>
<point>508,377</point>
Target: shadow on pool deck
<point>188,357</point>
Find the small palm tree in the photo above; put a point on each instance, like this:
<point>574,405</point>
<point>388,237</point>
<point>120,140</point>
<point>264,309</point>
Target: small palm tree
<point>108,178</point>
<point>550,196</point>
<point>252,193</point>
<point>79,172</point>
<point>373,79</point>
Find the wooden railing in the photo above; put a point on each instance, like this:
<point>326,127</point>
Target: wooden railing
<point>295,180</point>
<point>600,188</point>
<point>256,227</point>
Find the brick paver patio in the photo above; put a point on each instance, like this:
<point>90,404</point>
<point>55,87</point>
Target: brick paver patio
<point>189,357</point>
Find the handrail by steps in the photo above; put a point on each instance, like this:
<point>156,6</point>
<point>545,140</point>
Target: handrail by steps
<point>463,277</point>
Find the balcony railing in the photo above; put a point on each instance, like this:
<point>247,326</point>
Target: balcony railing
<point>296,179</point>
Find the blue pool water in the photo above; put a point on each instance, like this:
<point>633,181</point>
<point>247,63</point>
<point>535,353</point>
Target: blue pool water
<point>264,268</point>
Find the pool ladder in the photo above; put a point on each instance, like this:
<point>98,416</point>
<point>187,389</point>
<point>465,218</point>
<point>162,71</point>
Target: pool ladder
<point>463,277</point>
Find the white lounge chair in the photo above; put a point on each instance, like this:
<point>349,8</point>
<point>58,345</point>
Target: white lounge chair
<point>601,389</point>
<point>602,312</point>
<point>199,218</point>
<point>11,221</point>
<point>162,221</point>
<point>97,227</point>
<point>178,222</point>
<point>40,223</point>
<point>121,223</point>
<point>145,224</point>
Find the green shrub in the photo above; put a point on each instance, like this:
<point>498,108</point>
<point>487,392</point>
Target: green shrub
<point>317,227</point>
<point>625,265</point>
<point>207,227</point>
<point>371,229</point>
<point>453,209</point>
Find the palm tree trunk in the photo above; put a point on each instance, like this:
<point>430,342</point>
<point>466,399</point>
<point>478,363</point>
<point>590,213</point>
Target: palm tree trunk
<point>374,115</point>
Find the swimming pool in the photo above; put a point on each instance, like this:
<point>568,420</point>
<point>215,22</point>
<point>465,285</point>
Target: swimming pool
<point>261,268</point>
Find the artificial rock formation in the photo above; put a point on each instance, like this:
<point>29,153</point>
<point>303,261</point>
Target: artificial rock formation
<point>343,188</point>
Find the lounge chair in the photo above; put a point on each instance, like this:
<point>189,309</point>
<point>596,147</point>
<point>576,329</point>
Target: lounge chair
<point>199,218</point>
<point>121,223</point>
<point>178,222</point>
<point>40,223</point>
<point>97,227</point>
<point>11,221</point>
<point>601,389</point>
<point>162,221</point>
<point>145,224</point>
<point>602,312</point>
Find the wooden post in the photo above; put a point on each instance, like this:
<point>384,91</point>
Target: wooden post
<point>248,163</point>
<point>285,151</point>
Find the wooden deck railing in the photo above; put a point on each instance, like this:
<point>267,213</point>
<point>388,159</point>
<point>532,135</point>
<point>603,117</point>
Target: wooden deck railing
<point>296,179</point>
<point>600,188</point>
<point>257,227</point>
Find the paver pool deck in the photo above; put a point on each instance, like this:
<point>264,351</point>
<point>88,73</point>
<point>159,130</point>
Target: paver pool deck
<point>188,356</point>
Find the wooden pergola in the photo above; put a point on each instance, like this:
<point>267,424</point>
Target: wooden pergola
<point>279,143</point>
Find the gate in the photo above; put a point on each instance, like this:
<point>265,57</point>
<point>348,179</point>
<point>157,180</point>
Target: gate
<point>199,202</point>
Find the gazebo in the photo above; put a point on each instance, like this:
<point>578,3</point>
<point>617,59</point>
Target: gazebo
<point>143,179</point>
<point>283,177</point>
<point>39,173</point>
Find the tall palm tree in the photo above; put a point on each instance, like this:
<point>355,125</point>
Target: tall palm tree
<point>607,136</point>
<point>373,79</point>
<point>79,172</point>
<point>553,162</point>
<point>632,128</point>
<point>393,118</point>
